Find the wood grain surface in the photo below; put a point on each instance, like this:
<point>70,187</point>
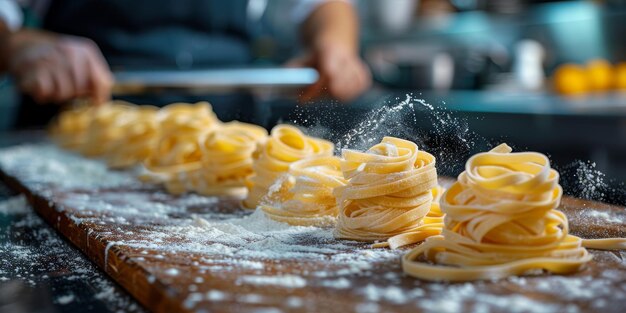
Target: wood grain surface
<point>180,281</point>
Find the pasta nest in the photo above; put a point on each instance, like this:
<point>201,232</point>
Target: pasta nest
<point>105,127</point>
<point>305,194</point>
<point>227,158</point>
<point>139,139</point>
<point>389,195</point>
<point>178,152</point>
<point>69,128</point>
<point>501,220</point>
<point>286,144</point>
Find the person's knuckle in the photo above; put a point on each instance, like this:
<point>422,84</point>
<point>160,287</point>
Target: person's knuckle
<point>66,46</point>
<point>89,45</point>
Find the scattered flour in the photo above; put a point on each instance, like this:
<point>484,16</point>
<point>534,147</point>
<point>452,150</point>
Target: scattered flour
<point>216,295</point>
<point>15,205</point>
<point>439,131</point>
<point>604,216</point>
<point>377,124</point>
<point>289,281</point>
<point>294,302</point>
<point>250,298</point>
<point>368,307</point>
<point>58,165</point>
<point>391,294</point>
<point>172,272</point>
<point>47,253</point>
<point>341,283</point>
<point>65,299</point>
<point>216,241</point>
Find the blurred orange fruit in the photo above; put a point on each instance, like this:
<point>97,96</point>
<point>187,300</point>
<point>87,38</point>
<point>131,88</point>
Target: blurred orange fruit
<point>600,75</point>
<point>571,79</point>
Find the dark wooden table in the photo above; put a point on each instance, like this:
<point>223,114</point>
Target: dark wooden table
<point>165,278</point>
<point>40,271</point>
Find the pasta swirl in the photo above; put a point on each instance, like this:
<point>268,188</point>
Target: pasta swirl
<point>389,194</point>
<point>106,127</point>
<point>139,139</point>
<point>227,158</point>
<point>178,154</point>
<point>180,115</point>
<point>305,196</point>
<point>501,220</point>
<point>69,129</point>
<point>285,145</point>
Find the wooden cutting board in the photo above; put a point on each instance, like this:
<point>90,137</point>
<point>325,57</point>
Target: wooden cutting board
<point>144,239</point>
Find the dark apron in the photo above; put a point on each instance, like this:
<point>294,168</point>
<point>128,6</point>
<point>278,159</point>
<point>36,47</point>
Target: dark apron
<point>138,34</point>
<point>162,34</point>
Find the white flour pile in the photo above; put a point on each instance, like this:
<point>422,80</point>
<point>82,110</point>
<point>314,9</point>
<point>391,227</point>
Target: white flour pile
<point>219,239</point>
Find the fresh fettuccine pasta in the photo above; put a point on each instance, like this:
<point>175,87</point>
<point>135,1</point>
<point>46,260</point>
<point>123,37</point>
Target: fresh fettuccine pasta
<point>286,145</point>
<point>106,127</point>
<point>501,220</point>
<point>69,130</point>
<point>197,115</point>
<point>389,194</point>
<point>177,157</point>
<point>184,146</point>
<point>305,196</point>
<point>432,225</point>
<point>227,158</point>
<point>139,139</point>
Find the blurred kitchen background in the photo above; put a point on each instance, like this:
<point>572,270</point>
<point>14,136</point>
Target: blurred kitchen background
<point>546,76</point>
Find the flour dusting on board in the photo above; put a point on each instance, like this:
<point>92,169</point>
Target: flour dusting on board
<point>48,258</point>
<point>15,205</point>
<point>65,170</point>
<point>288,281</point>
<point>211,239</point>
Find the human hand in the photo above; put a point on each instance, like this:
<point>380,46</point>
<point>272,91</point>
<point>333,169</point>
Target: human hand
<point>55,68</point>
<point>341,70</point>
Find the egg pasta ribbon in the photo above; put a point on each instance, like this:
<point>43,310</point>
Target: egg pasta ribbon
<point>501,220</point>
<point>92,130</point>
<point>106,127</point>
<point>227,159</point>
<point>140,136</point>
<point>69,128</point>
<point>389,194</point>
<point>177,157</point>
<point>305,195</point>
<point>286,144</point>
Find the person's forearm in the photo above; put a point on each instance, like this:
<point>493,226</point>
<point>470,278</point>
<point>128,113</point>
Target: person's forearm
<point>333,23</point>
<point>11,40</point>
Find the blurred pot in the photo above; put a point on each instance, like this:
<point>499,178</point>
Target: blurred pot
<point>411,66</point>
